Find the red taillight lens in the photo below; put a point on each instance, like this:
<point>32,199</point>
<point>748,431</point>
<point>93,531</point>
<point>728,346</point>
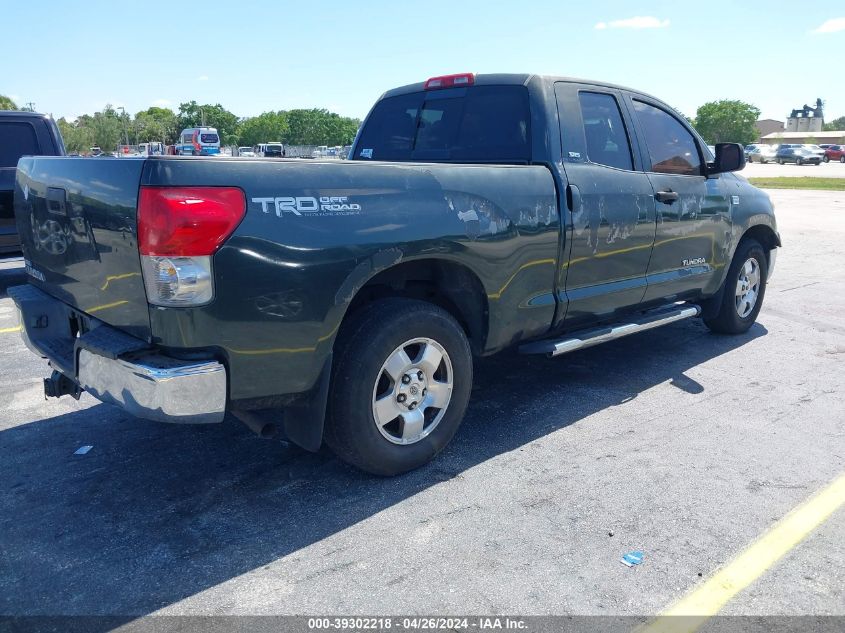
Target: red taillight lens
<point>450,81</point>
<point>187,221</point>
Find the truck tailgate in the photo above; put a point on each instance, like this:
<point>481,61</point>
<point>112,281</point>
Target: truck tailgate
<point>78,226</point>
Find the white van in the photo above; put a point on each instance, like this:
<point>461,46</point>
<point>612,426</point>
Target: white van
<point>198,141</point>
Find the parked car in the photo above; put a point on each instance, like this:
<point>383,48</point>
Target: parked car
<point>797,155</point>
<point>834,152</point>
<point>271,150</point>
<point>354,294</point>
<point>762,154</point>
<point>748,149</point>
<point>814,149</point>
<point>246,152</point>
<point>21,134</point>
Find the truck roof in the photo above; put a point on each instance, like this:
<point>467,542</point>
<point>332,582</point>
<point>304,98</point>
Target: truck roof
<point>514,79</point>
<point>23,113</point>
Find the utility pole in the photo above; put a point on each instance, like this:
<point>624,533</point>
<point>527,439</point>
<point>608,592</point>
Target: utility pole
<point>202,118</point>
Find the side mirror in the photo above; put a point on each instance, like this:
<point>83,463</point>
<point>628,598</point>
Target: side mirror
<point>729,157</point>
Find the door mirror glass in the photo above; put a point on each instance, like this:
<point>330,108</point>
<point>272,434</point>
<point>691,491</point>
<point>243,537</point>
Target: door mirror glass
<point>729,157</point>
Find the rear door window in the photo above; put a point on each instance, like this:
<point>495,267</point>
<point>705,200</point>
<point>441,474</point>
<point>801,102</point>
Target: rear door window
<point>475,124</point>
<point>604,132</point>
<point>671,147</point>
<point>16,140</point>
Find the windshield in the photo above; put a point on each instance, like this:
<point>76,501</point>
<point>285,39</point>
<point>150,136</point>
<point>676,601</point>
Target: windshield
<point>475,124</point>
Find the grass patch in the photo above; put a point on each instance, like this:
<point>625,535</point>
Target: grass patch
<point>799,182</point>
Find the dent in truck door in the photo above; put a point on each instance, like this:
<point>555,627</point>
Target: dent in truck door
<point>692,235</point>
<point>611,219</point>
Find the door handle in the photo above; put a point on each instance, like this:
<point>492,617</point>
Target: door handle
<point>666,197</point>
<point>573,198</point>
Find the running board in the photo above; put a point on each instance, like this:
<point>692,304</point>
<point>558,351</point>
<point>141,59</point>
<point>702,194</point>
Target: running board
<point>587,338</point>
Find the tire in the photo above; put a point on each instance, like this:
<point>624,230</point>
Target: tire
<point>842,159</point>
<point>779,161</point>
<point>799,161</point>
<point>826,159</point>
<point>734,315</point>
<point>367,345</point>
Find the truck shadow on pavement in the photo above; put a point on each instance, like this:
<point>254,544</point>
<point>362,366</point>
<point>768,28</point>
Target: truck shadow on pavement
<point>156,513</point>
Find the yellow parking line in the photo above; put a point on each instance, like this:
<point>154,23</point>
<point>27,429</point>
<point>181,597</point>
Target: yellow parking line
<point>708,599</point>
<point>7,330</point>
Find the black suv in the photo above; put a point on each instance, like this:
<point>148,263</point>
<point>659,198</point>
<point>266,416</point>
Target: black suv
<point>21,134</point>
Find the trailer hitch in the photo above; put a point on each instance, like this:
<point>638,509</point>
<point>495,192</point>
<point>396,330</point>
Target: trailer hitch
<point>58,385</point>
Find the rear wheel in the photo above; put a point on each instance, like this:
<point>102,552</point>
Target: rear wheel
<point>799,161</point>
<point>779,161</point>
<point>744,289</point>
<point>842,159</point>
<point>400,386</point>
<point>826,159</point>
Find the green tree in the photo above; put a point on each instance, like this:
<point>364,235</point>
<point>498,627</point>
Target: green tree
<point>78,138</point>
<point>156,124</point>
<point>7,104</point>
<point>833,126</point>
<point>192,114</point>
<point>727,121</point>
<point>106,128</point>
<point>320,127</point>
<point>266,127</point>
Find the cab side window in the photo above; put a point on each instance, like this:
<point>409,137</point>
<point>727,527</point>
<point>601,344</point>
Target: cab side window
<point>671,147</point>
<point>604,132</point>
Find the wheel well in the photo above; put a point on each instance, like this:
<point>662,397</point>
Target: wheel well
<point>763,234</point>
<point>453,287</point>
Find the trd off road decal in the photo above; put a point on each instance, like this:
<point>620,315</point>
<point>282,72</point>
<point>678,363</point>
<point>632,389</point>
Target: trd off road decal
<point>309,206</point>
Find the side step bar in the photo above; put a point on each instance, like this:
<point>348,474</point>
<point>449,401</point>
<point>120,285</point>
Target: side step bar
<point>587,338</point>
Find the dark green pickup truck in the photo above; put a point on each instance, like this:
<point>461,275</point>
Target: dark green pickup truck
<point>476,213</point>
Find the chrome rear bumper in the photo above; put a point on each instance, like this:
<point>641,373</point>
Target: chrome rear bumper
<point>117,368</point>
<point>157,387</point>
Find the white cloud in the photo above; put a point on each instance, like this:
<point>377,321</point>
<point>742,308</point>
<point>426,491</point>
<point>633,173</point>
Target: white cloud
<point>161,103</point>
<point>831,26</point>
<point>637,22</point>
<point>202,78</point>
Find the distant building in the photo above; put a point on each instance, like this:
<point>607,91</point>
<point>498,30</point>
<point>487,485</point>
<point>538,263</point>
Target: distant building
<point>767,126</point>
<point>806,119</point>
<point>835,137</point>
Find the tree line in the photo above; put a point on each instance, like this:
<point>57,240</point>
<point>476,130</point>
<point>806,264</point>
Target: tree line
<point>724,121</point>
<point>112,126</point>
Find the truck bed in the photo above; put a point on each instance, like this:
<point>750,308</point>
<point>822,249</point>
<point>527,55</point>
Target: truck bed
<point>339,223</point>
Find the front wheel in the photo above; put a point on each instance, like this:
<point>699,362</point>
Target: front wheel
<point>842,159</point>
<point>400,386</point>
<point>779,161</point>
<point>826,159</point>
<point>799,161</point>
<point>744,289</point>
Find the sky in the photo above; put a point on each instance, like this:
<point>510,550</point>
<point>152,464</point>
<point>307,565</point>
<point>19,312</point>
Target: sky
<point>253,56</point>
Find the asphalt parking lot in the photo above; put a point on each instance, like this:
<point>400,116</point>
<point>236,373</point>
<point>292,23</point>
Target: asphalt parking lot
<point>676,442</point>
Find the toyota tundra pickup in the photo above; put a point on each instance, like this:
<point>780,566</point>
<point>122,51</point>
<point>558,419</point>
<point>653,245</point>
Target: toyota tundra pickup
<point>348,298</point>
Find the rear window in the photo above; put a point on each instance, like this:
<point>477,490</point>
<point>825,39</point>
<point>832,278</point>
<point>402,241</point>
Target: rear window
<point>16,140</point>
<point>209,138</point>
<point>476,124</point>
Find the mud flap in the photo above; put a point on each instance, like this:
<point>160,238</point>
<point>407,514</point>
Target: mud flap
<point>304,420</point>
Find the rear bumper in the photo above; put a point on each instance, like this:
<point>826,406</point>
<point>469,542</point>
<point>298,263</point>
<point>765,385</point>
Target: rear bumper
<point>117,368</point>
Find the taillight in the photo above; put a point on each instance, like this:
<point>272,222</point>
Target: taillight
<point>450,81</point>
<point>179,229</point>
